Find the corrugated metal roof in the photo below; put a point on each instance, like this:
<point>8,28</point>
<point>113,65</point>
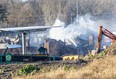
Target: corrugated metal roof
<point>31,28</point>
<point>5,45</point>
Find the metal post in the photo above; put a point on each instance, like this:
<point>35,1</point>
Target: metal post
<point>23,43</point>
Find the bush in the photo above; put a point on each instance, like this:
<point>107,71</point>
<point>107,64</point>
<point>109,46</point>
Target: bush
<point>101,54</point>
<point>28,69</point>
<point>90,55</point>
<point>66,68</point>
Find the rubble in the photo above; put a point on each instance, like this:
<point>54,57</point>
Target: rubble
<point>60,48</point>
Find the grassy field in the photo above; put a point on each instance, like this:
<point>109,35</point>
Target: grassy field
<point>102,68</point>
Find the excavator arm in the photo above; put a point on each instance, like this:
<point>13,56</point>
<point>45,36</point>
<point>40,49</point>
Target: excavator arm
<point>99,39</point>
<point>101,32</point>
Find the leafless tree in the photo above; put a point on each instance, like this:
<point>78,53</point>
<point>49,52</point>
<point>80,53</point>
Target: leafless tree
<point>45,12</point>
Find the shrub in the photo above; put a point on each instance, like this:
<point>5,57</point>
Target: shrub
<point>28,69</point>
<point>101,54</point>
<point>90,55</point>
<point>66,67</point>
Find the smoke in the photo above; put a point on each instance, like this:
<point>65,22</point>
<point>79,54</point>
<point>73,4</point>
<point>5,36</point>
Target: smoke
<point>107,21</point>
<point>57,33</point>
<point>82,27</point>
<point>24,0</point>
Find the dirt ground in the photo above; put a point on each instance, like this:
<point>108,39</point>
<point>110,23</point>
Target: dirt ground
<point>7,70</point>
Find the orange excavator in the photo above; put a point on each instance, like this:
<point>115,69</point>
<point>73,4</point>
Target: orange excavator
<point>103,31</point>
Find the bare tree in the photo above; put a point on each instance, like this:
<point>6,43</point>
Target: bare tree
<point>45,12</point>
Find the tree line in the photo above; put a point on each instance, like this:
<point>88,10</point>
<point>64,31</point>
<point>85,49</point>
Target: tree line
<point>15,13</point>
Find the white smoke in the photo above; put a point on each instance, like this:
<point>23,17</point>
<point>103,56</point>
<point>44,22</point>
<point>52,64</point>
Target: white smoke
<point>82,25</point>
<point>57,33</point>
<point>24,0</point>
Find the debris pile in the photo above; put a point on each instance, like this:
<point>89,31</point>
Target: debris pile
<point>60,48</point>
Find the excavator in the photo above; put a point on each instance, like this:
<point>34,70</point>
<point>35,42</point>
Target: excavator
<point>102,31</point>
